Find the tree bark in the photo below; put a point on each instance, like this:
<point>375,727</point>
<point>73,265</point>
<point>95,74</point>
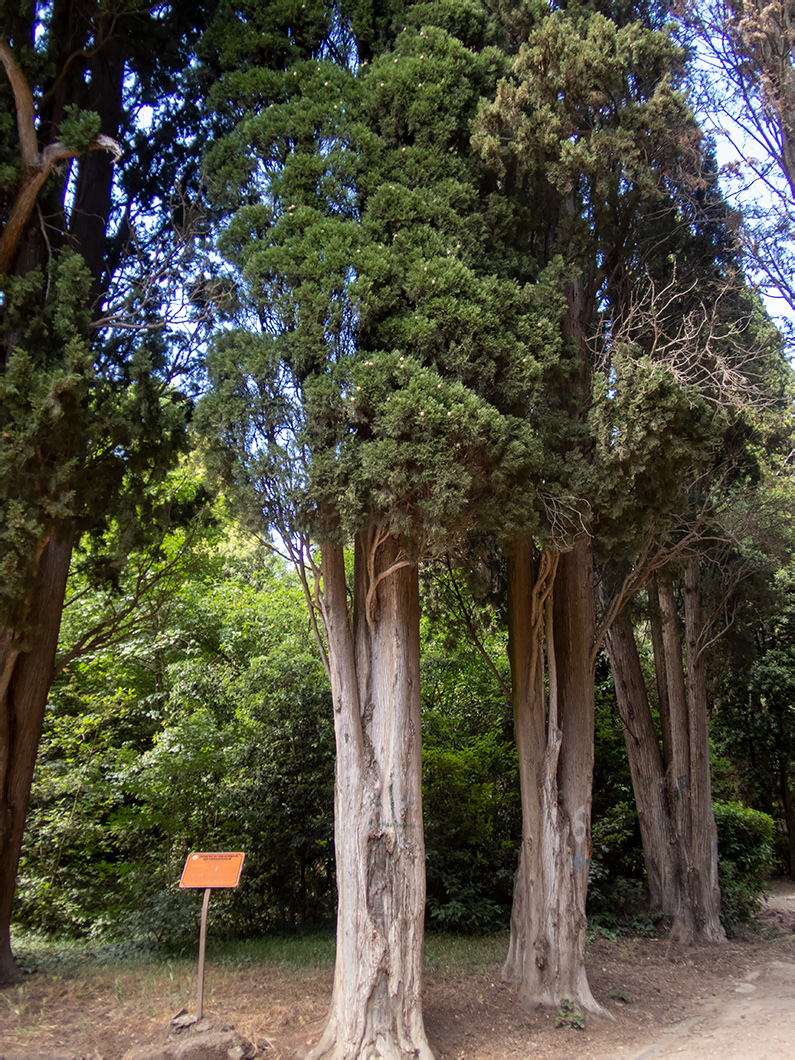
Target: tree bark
<point>703,889</point>
<point>672,789</point>
<point>788,799</point>
<point>646,766</point>
<point>376,1006</point>
<point>555,744</point>
<point>25,675</point>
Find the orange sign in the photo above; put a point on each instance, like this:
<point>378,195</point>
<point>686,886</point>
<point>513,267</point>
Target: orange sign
<point>212,870</point>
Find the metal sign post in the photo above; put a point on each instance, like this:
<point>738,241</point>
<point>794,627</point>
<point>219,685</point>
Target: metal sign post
<point>208,871</point>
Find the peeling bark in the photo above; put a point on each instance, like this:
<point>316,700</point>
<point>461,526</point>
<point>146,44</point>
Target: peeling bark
<point>550,631</point>
<point>376,1006</point>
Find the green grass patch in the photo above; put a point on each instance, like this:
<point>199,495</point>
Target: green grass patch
<point>443,952</point>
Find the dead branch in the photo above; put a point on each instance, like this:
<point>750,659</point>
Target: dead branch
<point>706,347</point>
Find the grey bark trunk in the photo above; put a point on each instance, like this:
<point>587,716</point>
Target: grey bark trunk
<point>672,789</point>
<point>646,766</point>
<point>555,744</point>
<point>25,677</point>
<point>702,886</point>
<point>376,1006</point>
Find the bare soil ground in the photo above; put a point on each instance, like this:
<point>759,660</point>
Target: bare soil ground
<point>730,1002</point>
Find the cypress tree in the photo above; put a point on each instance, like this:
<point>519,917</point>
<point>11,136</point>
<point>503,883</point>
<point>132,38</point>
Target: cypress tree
<point>378,396</point>
<point>592,126</point>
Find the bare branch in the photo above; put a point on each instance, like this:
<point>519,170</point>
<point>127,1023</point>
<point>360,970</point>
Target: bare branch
<point>708,346</point>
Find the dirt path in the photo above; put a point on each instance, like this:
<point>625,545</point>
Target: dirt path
<point>729,1002</point>
<point>754,1017</point>
<point>759,1022</point>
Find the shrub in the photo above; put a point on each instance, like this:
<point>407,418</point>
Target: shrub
<point>745,855</point>
<point>470,802</point>
<point>617,897</point>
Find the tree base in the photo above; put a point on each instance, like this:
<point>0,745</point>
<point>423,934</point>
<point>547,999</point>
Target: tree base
<point>10,974</point>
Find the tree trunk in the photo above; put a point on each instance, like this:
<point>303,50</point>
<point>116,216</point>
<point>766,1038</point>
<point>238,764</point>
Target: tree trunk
<point>703,889</point>
<point>788,799</point>
<point>548,926</point>
<point>692,899</point>
<point>25,674</point>
<point>376,1006</point>
<point>646,766</point>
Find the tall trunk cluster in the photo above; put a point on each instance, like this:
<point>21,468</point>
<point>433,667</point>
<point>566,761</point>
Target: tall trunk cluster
<point>374,656</point>
<point>550,620</point>
<point>671,782</point>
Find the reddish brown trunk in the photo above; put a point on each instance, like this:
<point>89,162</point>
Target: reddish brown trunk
<point>548,926</point>
<point>376,1008</point>
<point>24,684</point>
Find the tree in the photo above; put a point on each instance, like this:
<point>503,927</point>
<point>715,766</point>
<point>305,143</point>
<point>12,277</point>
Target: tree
<point>88,414</point>
<point>672,786</point>
<point>751,720</point>
<point>589,126</point>
<point>216,686</point>
<point>746,47</point>
<point>364,408</point>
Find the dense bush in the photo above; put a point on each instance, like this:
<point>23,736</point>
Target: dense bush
<point>472,834</point>
<point>745,854</point>
<point>617,895</point>
<point>211,727</point>
<point>471,803</point>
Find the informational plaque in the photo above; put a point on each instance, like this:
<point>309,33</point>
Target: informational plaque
<point>207,871</point>
<point>212,870</point>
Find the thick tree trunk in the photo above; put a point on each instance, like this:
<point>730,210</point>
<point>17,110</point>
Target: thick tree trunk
<point>25,677</point>
<point>548,926</point>
<point>376,1007</point>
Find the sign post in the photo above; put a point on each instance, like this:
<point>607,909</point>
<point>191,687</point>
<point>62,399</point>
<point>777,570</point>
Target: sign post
<point>209,871</point>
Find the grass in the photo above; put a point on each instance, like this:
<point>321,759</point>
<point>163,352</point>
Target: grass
<point>465,953</point>
<point>443,952</point>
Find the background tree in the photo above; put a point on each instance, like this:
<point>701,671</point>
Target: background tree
<point>748,99</point>
<point>751,718</point>
<point>88,415</point>
<point>217,687</point>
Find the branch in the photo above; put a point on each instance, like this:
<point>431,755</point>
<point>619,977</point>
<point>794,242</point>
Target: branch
<point>117,626</point>
<point>300,559</point>
<point>23,100</point>
<point>38,165</point>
